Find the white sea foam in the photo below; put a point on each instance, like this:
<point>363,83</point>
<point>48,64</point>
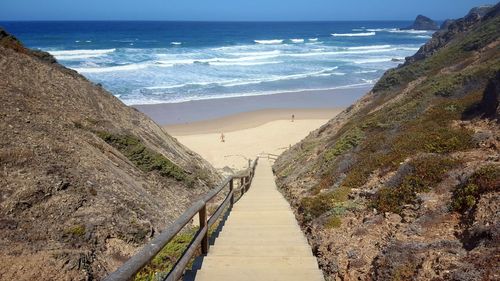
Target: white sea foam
<point>261,53</point>
<point>126,67</point>
<point>269,42</point>
<point>297,40</point>
<point>398,30</point>
<point>361,34</point>
<point>375,60</point>
<point>369,81</point>
<point>80,54</point>
<point>371,47</point>
<point>313,39</point>
<point>176,43</point>
<point>424,36</point>
<point>411,31</point>
<point>239,82</point>
<point>240,94</point>
<point>218,60</point>
<point>340,53</point>
<point>380,29</point>
<point>366,71</point>
<point>408,49</point>
<point>243,63</point>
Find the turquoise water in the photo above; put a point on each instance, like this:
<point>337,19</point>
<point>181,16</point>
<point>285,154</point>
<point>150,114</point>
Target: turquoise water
<point>156,62</point>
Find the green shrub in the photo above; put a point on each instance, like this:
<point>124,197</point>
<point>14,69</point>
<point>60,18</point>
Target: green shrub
<point>484,180</point>
<point>144,158</point>
<point>426,172</point>
<point>347,142</point>
<point>333,222</point>
<point>76,230</point>
<point>314,206</point>
<point>164,261</point>
<point>398,77</point>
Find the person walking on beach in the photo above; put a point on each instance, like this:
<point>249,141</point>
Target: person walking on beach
<point>222,137</point>
<point>293,117</point>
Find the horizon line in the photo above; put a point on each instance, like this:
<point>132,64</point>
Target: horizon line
<point>214,21</point>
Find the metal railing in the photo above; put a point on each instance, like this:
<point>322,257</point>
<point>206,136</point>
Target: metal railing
<point>132,266</point>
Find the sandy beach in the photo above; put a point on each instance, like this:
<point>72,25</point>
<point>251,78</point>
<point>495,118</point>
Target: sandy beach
<point>200,110</point>
<point>251,125</point>
<point>248,134</point>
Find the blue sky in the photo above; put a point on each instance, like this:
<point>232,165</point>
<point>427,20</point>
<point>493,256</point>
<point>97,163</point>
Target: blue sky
<point>240,10</point>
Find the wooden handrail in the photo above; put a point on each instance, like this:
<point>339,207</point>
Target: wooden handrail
<point>130,268</point>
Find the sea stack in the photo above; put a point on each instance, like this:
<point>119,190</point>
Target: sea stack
<point>423,23</point>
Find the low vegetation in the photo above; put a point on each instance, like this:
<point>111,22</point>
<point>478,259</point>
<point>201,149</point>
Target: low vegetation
<point>75,230</point>
<point>164,261</point>
<point>422,128</point>
<point>423,121</point>
<point>484,180</point>
<point>315,206</point>
<point>144,158</point>
<point>426,172</point>
<point>333,222</point>
<point>348,141</point>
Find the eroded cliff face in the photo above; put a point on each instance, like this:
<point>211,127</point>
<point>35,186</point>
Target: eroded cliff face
<point>84,179</point>
<point>405,184</point>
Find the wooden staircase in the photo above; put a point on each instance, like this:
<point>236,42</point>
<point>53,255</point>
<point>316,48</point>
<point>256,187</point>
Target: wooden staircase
<point>260,240</point>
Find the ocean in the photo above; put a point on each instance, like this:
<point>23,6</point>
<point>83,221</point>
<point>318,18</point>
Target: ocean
<point>169,62</point>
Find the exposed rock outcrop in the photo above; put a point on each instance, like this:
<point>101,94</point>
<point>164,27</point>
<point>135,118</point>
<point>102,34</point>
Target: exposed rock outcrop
<point>480,11</point>
<point>84,179</point>
<point>455,28</point>
<point>423,23</point>
<point>446,24</point>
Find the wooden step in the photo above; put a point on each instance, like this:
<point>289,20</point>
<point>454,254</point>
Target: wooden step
<point>261,239</point>
<point>237,275</point>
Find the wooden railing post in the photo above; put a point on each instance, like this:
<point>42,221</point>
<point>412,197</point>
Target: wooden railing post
<point>128,270</point>
<point>203,223</point>
<point>231,187</point>
<point>243,189</point>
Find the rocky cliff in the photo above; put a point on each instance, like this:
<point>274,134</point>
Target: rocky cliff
<point>423,23</point>
<point>84,179</point>
<point>405,184</point>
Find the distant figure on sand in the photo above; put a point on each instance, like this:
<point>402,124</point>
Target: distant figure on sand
<point>293,117</point>
<point>222,137</point>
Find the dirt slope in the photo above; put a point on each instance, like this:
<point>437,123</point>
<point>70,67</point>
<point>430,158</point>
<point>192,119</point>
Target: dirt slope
<point>84,179</point>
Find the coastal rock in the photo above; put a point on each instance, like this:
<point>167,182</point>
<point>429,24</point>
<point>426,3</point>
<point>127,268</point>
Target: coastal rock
<point>442,37</point>
<point>446,24</point>
<point>423,23</point>
<point>490,103</point>
<point>480,11</point>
